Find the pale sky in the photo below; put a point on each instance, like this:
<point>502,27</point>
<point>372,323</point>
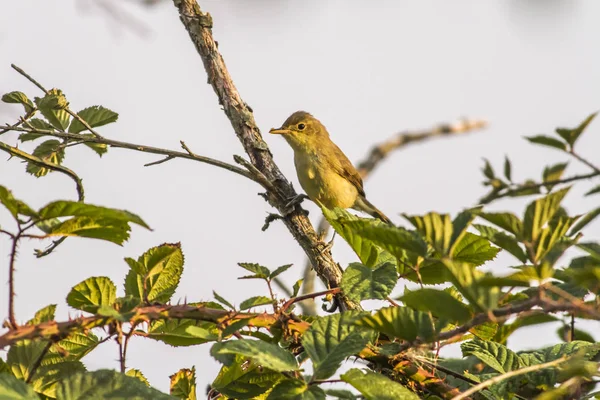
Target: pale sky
<point>366,69</point>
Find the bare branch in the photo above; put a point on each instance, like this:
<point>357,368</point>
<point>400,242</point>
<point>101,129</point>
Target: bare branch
<point>198,25</point>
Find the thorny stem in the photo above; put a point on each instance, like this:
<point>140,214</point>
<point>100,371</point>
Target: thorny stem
<point>288,303</point>
<point>125,345</point>
<point>11,279</point>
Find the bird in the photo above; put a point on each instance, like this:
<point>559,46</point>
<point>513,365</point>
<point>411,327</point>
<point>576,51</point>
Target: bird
<point>325,173</point>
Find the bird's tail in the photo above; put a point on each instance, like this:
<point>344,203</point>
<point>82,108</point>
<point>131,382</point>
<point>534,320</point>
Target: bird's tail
<point>364,205</point>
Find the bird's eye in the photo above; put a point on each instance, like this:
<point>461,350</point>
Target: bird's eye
<point>301,127</point>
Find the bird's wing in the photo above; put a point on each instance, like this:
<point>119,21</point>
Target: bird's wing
<point>345,169</point>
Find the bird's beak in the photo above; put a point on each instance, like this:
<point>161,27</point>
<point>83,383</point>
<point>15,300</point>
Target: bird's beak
<point>279,131</point>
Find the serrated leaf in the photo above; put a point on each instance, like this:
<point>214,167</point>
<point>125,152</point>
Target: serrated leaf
<point>35,123</point>
<point>255,302</point>
<point>279,270</point>
<point>341,394</point>
<point>259,271</point>
<point>52,106</point>
<point>465,279</point>
<point>50,151</point>
<point>75,346</point>
<point>440,303</point>
<point>435,228</point>
<point>495,355</point>
<point>547,141</point>
<point>572,134</point>
<point>484,331</point>
<point>183,384</point>
<point>43,315</point>
<point>94,116</point>
<point>92,293</point>
<point>183,332</point>
<point>245,379</point>
<point>99,148</point>
<point>19,98</point>
<point>360,282</point>
<point>539,212</point>
<point>367,251</point>
<point>94,228</point>
<point>474,250</point>
<point>507,221</point>
<point>266,354</point>
<point>550,236</point>
<point>64,208</point>
<point>136,373</point>
<point>15,206</point>
<point>156,274</point>
<point>294,389</point>
<point>403,323</point>
<point>331,339</point>
<point>460,224</point>
<point>296,287</point>
<point>506,242</point>
<point>374,386</point>
<point>12,388</point>
<point>222,300</point>
<point>107,384</point>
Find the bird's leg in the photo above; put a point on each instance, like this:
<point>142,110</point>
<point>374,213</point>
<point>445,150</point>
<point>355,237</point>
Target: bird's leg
<point>329,244</point>
<point>293,202</point>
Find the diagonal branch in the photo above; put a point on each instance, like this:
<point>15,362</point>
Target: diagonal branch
<point>198,25</point>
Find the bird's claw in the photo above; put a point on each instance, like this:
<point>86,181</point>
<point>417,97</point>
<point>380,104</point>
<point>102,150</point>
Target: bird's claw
<point>293,202</point>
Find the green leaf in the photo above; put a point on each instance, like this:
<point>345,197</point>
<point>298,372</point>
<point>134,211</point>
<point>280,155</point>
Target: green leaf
<point>374,386</point>
<point>474,250</point>
<point>485,331</point>
<point>507,169</point>
<point>495,355</point>
<point>99,148</point>
<point>94,228</point>
<point>553,173</point>
<point>259,271</point>
<point>52,106</point>
<point>369,253</point>
<point>107,384</point>
<point>440,303</point>
<point>572,134</point>
<point>294,389</point>
<point>506,242</point>
<point>583,222</point>
<point>465,279</point>
<point>255,302</point>
<point>567,334</point>
<point>43,315</point>
<point>403,323</point>
<point>136,373</point>
<point>551,236</point>
<point>14,206</point>
<point>183,384</point>
<point>594,190</point>
<point>19,98</point>
<point>360,282</point>
<point>75,346</point>
<point>395,240</point>
<point>155,275</point>
<point>279,270</point>
<point>460,224</point>
<point>341,394</point>
<point>266,354</point>
<point>245,379</point>
<point>435,228</point>
<point>296,287</point>
<point>331,339</point>
<point>36,123</point>
<point>50,151</point>
<point>95,116</point>
<point>507,221</point>
<point>222,300</point>
<point>487,170</point>
<point>65,208</point>
<point>539,212</point>
<point>521,278</point>
<point>183,332</point>
<point>12,388</point>
<point>547,141</point>
<point>92,293</point>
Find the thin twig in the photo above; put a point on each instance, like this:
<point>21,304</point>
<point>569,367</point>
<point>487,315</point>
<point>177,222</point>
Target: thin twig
<point>138,147</point>
<point>11,279</point>
<point>288,303</point>
<point>507,375</point>
<point>584,161</point>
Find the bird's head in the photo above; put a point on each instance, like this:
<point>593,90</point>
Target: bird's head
<point>302,131</point>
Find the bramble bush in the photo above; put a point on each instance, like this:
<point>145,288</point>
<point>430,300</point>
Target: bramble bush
<point>269,348</point>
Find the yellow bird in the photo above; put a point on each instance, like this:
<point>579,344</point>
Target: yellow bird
<point>325,173</point>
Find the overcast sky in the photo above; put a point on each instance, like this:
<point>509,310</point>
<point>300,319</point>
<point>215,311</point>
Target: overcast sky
<point>366,69</point>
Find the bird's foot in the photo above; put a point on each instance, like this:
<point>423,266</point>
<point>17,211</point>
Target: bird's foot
<point>329,245</point>
<point>293,202</point>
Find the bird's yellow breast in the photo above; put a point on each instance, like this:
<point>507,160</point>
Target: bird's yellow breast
<point>322,183</point>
